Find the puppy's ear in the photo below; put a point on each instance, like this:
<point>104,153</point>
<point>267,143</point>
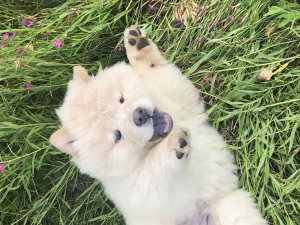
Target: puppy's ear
<point>62,140</point>
<point>80,74</point>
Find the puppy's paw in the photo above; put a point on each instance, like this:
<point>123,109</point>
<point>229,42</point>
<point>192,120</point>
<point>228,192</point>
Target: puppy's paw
<point>179,142</point>
<point>136,39</point>
<point>141,51</point>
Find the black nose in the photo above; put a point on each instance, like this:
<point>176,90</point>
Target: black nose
<point>140,116</point>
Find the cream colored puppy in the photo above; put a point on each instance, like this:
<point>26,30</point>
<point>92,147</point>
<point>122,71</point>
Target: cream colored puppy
<point>141,130</point>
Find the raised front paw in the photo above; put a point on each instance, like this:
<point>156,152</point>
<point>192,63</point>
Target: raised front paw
<point>136,38</point>
<point>141,51</point>
<point>179,142</point>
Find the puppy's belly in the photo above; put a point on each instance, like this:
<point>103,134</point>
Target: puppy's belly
<point>200,217</point>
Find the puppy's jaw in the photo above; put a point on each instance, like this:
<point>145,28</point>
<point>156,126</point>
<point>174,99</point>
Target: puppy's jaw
<point>162,125</point>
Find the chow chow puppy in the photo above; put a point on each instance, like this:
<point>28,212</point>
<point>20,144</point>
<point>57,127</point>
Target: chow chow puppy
<point>141,130</point>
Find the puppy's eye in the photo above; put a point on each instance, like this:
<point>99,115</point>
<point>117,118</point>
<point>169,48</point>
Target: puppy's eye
<point>121,100</point>
<point>118,135</point>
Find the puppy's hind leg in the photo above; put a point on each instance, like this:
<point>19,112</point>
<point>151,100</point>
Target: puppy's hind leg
<point>238,208</point>
<point>142,53</point>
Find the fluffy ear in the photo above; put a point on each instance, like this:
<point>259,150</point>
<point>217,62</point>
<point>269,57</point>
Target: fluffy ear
<point>80,74</point>
<point>61,139</point>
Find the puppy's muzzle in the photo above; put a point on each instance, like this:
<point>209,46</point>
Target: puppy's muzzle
<point>140,116</point>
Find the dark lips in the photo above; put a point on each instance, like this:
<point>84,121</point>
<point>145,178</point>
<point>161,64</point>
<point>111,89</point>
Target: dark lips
<point>162,125</point>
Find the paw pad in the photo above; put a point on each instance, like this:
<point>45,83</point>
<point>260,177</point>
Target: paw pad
<point>135,38</point>
<point>139,31</point>
<point>142,44</point>
<point>179,155</point>
<point>133,33</point>
<point>182,143</point>
<point>179,141</point>
<point>132,42</point>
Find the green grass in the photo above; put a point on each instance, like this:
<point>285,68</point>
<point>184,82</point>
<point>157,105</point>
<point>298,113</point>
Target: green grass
<point>259,119</point>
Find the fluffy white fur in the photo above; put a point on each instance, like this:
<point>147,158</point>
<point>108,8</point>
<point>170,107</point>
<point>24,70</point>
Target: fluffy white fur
<point>146,180</point>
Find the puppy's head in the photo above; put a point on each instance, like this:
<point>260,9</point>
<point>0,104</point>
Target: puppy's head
<point>107,121</point>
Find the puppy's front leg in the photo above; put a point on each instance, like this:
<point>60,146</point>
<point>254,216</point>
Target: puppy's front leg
<point>173,153</point>
<point>141,51</point>
<point>178,143</point>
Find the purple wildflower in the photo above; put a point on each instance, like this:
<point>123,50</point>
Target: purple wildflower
<point>120,49</point>
<point>242,19</point>
<point>187,47</point>
<point>208,28</point>
<point>230,18</point>
<point>23,20</point>
<point>57,43</point>
<point>158,15</point>
<point>150,6</point>
<point>30,23</point>
<point>5,36</point>
<point>29,85</point>
<point>215,98</point>
<point>199,26</point>
<point>183,35</point>
<point>200,97</point>
<point>231,7</point>
<point>217,81</point>
<point>199,39</point>
<point>211,102</point>
<point>2,45</point>
<point>218,89</point>
<point>214,22</point>
<point>202,7</point>
<point>13,35</point>
<point>234,3</point>
<point>2,165</point>
<point>18,49</point>
<point>180,21</point>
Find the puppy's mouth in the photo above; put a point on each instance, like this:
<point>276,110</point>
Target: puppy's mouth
<point>162,125</point>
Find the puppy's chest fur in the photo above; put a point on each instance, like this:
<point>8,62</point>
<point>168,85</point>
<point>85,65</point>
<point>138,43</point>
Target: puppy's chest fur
<point>176,98</point>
